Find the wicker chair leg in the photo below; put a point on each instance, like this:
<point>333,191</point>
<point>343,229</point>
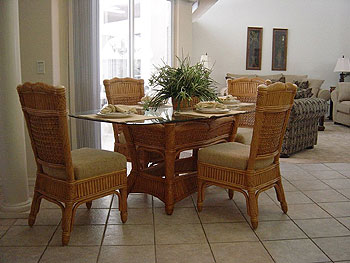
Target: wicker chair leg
<point>88,204</point>
<point>123,208</point>
<point>200,197</point>
<point>230,193</point>
<point>34,208</point>
<point>253,208</point>
<point>280,196</point>
<point>67,223</point>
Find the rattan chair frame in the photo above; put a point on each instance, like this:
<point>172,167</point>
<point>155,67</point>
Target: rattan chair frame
<point>45,113</point>
<point>273,108</point>
<point>246,90</point>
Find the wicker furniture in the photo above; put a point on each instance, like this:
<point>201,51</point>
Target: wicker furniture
<point>341,103</point>
<point>255,168</point>
<point>64,177</point>
<point>245,89</point>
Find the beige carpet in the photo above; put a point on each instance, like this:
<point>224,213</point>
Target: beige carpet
<point>333,146</point>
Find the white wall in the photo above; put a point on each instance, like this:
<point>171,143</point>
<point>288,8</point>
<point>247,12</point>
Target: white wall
<point>318,34</point>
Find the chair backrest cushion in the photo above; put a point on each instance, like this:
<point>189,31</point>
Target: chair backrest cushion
<point>344,91</point>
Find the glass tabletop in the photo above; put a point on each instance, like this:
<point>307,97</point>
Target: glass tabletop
<point>164,114</point>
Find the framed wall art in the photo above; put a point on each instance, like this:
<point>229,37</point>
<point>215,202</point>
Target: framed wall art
<point>279,49</point>
<point>254,48</point>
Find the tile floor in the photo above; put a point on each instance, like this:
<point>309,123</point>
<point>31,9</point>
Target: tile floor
<point>316,228</point>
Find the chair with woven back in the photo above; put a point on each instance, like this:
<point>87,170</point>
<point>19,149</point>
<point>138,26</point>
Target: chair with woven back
<point>251,169</point>
<point>245,89</point>
<point>126,91</point>
<point>64,177</point>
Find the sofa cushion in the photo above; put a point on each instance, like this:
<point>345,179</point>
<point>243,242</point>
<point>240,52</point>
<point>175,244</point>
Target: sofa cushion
<point>89,162</point>
<point>235,76</point>
<point>230,154</point>
<point>315,85</point>
<point>292,78</point>
<point>344,107</point>
<point>344,91</point>
<point>271,77</point>
<point>303,90</point>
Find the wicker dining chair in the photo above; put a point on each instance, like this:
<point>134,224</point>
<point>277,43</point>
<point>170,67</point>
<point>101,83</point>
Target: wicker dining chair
<point>64,177</point>
<point>126,91</point>
<point>245,89</point>
<point>251,169</point>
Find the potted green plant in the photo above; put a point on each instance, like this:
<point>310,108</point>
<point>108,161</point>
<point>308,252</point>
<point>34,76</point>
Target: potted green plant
<point>184,84</point>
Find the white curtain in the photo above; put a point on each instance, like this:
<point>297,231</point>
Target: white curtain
<point>85,14</point>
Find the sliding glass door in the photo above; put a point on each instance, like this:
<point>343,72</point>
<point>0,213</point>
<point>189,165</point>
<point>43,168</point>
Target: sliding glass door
<point>135,36</point>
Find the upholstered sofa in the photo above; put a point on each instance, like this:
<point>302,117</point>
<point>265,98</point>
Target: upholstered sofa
<point>302,128</point>
<point>341,103</point>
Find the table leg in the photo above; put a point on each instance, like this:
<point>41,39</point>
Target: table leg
<point>170,156</point>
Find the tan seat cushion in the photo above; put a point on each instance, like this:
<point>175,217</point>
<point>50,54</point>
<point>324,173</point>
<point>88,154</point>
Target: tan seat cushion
<point>230,154</point>
<point>344,107</point>
<point>89,162</point>
<point>244,135</point>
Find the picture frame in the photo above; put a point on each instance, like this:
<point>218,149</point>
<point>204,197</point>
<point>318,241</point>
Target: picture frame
<point>279,49</point>
<point>254,48</point>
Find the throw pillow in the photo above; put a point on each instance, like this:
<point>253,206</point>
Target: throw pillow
<point>303,90</point>
<point>281,79</point>
<point>344,91</point>
<point>315,85</point>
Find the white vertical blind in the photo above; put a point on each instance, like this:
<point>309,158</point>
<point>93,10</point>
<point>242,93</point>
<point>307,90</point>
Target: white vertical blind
<point>86,68</point>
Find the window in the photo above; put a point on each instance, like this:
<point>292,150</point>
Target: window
<point>135,35</point>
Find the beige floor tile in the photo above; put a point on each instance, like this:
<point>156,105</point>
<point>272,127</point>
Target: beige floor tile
<point>194,253</point>
<point>308,185</point>
<point>181,215</point>
<point>48,217</point>
<point>338,209</point>
<point>263,199</point>
<point>90,235</point>
<point>136,201</point>
<point>338,183</point>
<point>325,175</point>
<point>70,254</point>
<point>284,166</point>
<point>274,230</point>
<point>327,227</point>
<point>48,205</point>
<point>223,214</point>
<point>297,175</point>
<point>91,217</point>
<point>7,221</point>
<point>215,190</point>
<point>104,202</point>
<point>268,213</point>
<point>296,198</point>
<point>345,192</point>
<point>306,211</point>
<point>287,186</point>
<point>179,234</point>
<point>294,251</point>
<point>244,252</point>
<point>345,173</point>
<point>127,254</point>
<point>20,254</point>
<point>187,202</point>
<point>229,232</point>
<point>215,200</point>
<point>345,221</point>
<point>20,236</point>
<point>129,235</point>
<point>3,230</point>
<point>339,166</point>
<point>314,167</point>
<point>337,248</point>
<point>136,216</point>
<point>322,196</point>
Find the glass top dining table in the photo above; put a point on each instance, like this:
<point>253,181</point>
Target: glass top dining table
<point>167,133</point>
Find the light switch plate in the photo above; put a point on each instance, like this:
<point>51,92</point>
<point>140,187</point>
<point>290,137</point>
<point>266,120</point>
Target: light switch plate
<point>40,67</point>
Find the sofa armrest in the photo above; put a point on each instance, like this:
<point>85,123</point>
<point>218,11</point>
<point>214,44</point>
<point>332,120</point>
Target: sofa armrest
<point>324,94</point>
<point>308,108</point>
<point>334,95</point>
